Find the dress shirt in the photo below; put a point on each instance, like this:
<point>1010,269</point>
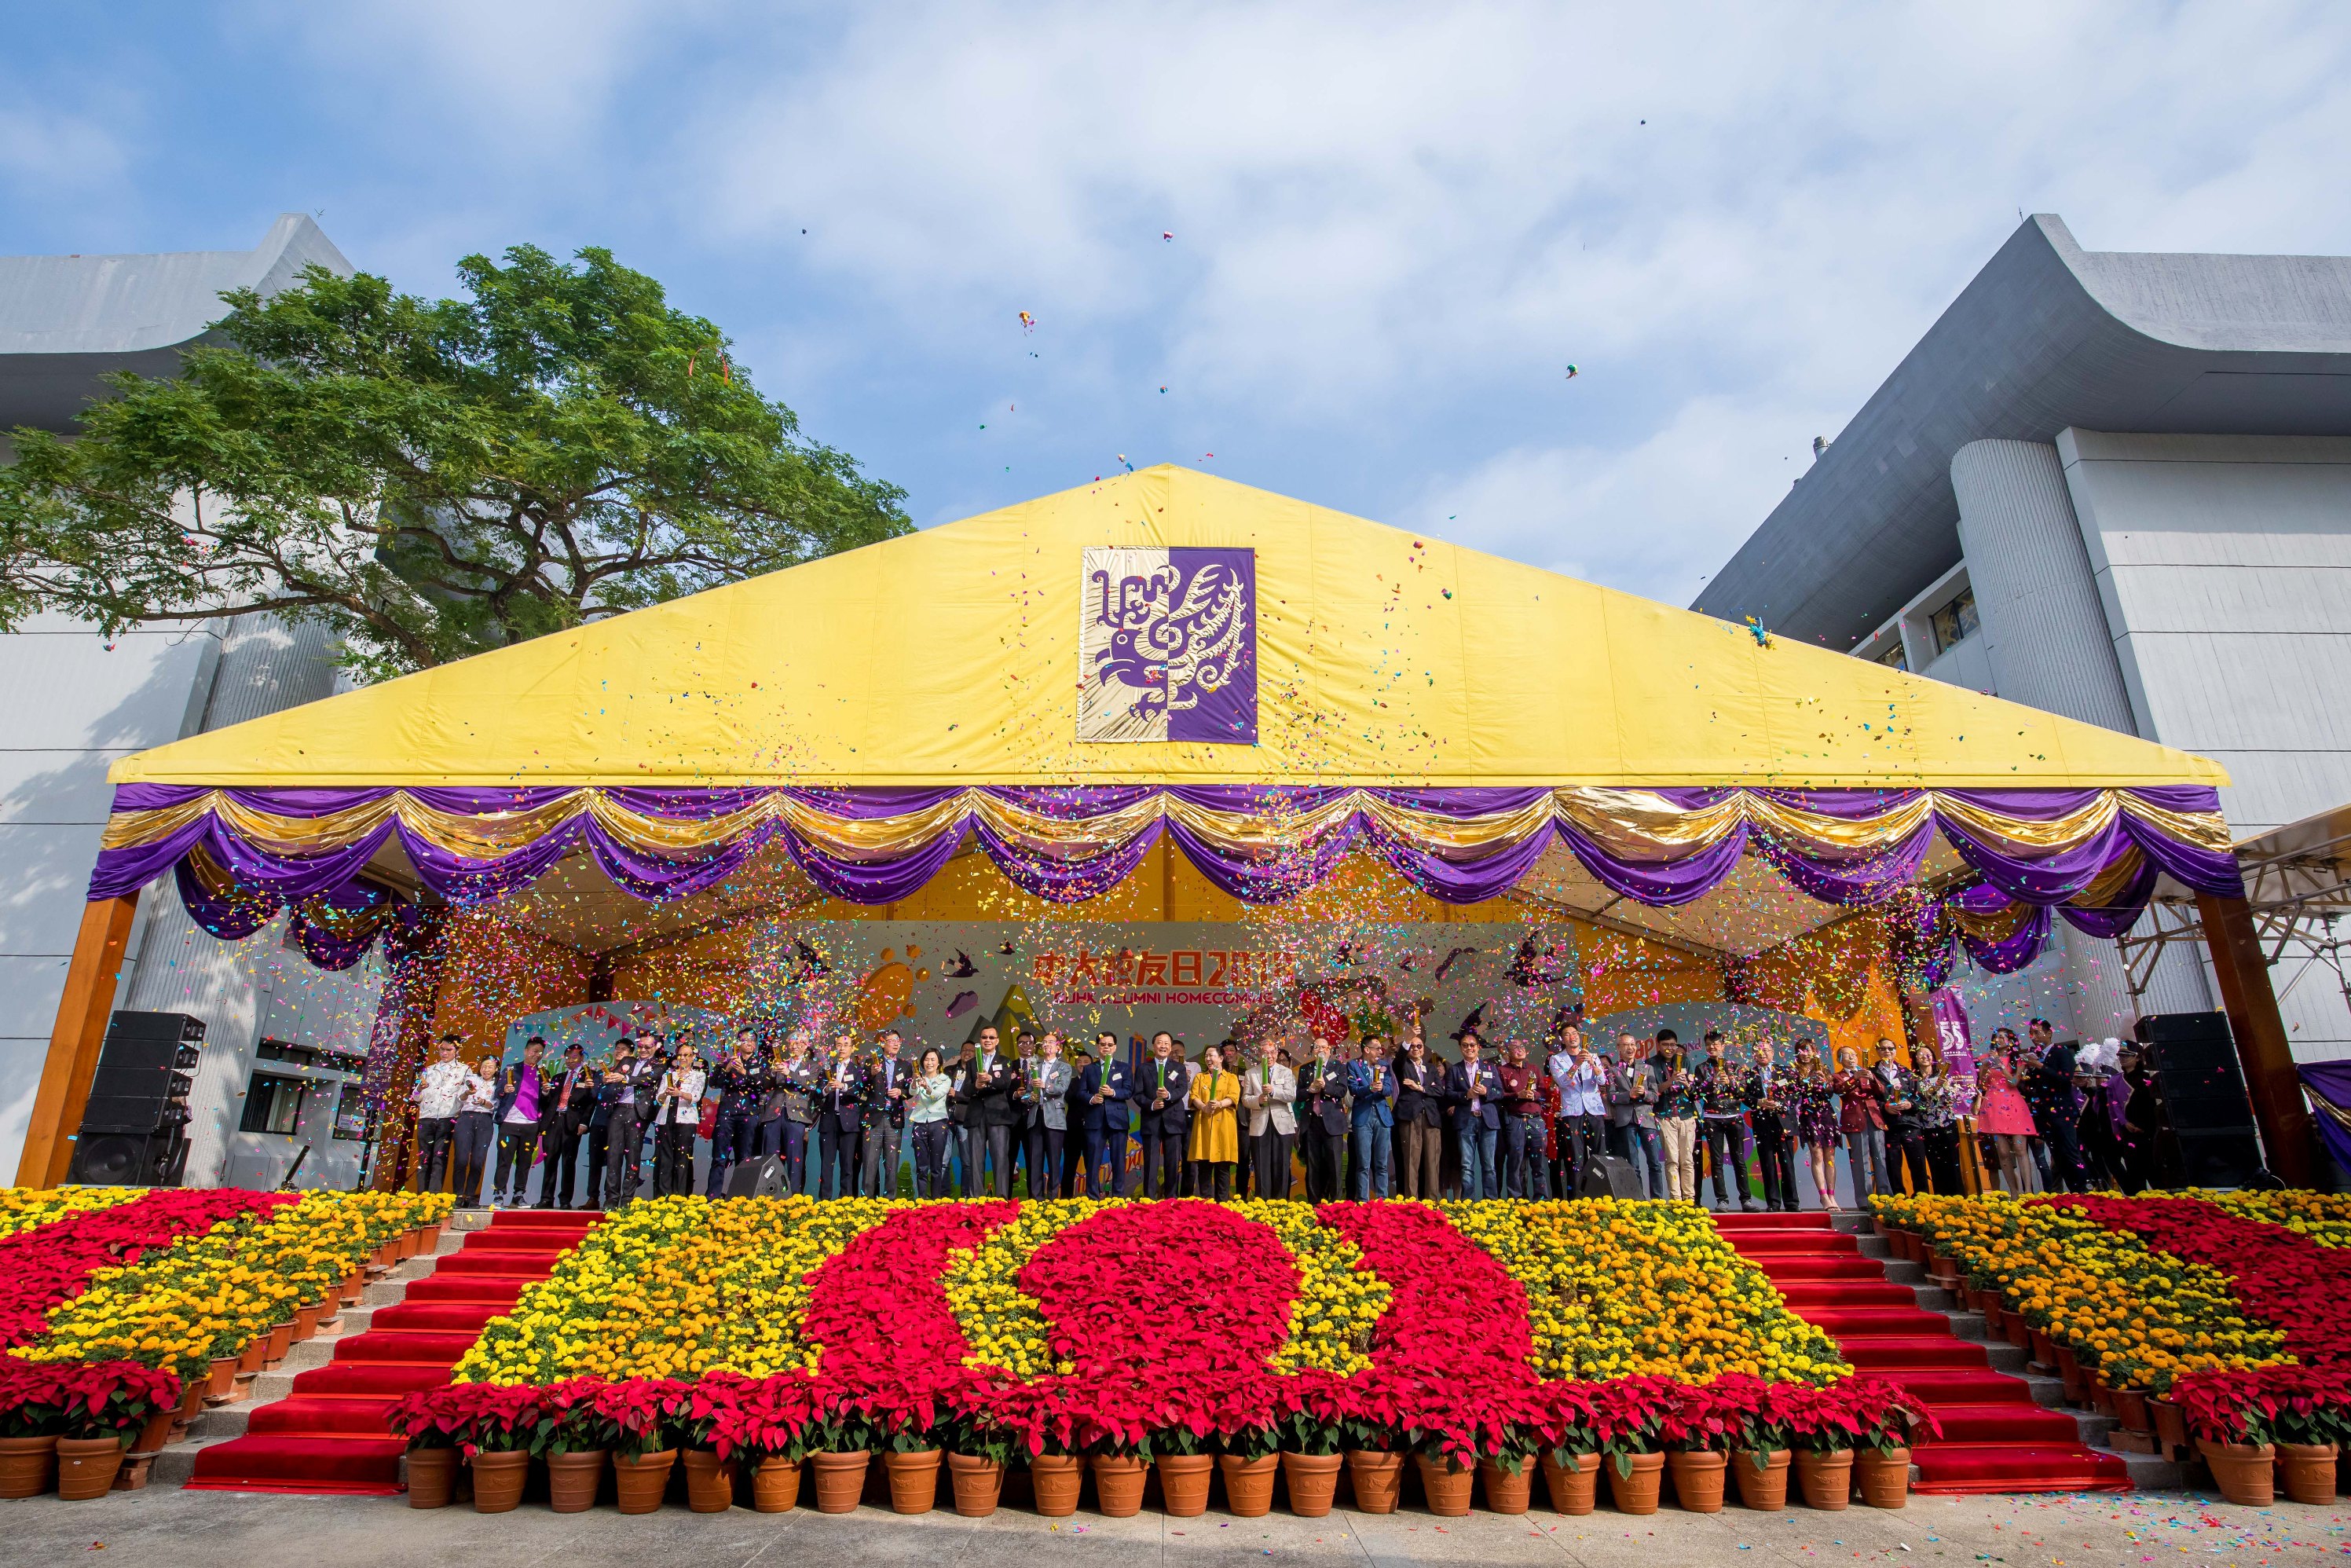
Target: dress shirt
<point>1582,1084</point>
<point>687,1105</point>
<point>439,1089</point>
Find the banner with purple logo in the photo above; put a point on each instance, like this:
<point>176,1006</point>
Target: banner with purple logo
<point>1167,645</point>
<point>1954,1038</point>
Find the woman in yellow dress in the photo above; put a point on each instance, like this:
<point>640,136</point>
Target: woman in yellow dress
<point>1215,1147</point>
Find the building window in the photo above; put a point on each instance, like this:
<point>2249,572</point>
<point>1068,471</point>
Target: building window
<point>350,1113</point>
<point>1893,656</point>
<point>273,1103</point>
<point>1956,622</point>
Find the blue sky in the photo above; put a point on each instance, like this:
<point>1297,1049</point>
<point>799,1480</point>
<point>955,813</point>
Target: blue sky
<point>1394,227</point>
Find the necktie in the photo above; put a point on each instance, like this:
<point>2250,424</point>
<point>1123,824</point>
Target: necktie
<point>563,1098</point>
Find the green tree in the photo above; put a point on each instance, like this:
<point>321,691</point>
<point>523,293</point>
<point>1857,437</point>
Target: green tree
<point>430,477</point>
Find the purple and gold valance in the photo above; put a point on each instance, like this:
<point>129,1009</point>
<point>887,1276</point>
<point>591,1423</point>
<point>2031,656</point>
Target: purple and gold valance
<point>2096,853</point>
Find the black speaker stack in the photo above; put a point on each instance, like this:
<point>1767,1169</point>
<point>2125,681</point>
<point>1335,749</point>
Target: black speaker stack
<point>2212,1140</point>
<point>134,1126</point>
<point>756,1179</point>
<point>1608,1176</point>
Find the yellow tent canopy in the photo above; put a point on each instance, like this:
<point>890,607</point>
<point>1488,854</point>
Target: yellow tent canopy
<point>953,656</point>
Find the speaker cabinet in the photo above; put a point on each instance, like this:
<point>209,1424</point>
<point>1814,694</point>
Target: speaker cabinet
<point>129,1159</point>
<point>1608,1176</point>
<point>756,1179</point>
<point>2201,1086</point>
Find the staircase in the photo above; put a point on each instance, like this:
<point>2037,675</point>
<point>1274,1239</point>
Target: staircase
<point>1998,1434</point>
<point>326,1433</point>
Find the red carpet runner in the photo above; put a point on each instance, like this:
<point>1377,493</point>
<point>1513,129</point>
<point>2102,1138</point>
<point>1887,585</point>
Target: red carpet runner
<point>1995,1438</point>
<point>328,1436</point>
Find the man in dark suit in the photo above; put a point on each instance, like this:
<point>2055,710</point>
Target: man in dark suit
<point>884,1118</point>
<point>1474,1091</point>
<point>1106,1088</point>
<point>1419,1137</point>
<point>984,1086</point>
<point>1163,1116</point>
<point>1322,1123</point>
<point>565,1106</point>
<point>841,1120</point>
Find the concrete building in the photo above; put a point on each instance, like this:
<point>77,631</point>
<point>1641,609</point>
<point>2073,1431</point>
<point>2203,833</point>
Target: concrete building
<point>2117,487</point>
<point>72,702</point>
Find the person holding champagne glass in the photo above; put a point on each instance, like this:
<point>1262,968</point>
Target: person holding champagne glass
<point>677,1113</point>
<point>1372,1091</point>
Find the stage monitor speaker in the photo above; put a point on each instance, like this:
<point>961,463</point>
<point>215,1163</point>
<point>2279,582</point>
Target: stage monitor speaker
<point>1609,1177</point>
<point>2202,1087</point>
<point>129,1159</point>
<point>756,1179</point>
<point>2231,1157</point>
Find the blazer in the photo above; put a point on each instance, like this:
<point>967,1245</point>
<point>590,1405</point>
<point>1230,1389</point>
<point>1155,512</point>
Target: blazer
<point>1460,1079</point>
<point>881,1075</point>
<point>841,1098</point>
<point>573,1118</point>
<point>988,1091</point>
<point>1048,1082</point>
<point>636,1076</point>
<point>1111,1080</point>
<point>1269,1095</point>
<point>1171,1120</point>
<point>1372,1108</point>
<point>1323,1087</point>
<point>1420,1092</point>
<point>510,1086</point>
<point>1632,1094</point>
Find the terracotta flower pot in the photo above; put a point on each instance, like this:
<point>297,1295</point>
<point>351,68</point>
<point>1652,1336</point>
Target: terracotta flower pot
<point>1376,1477</point>
<point>353,1283</point>
<point>249,1361</point>
<point>1448,1487</point>
<point>2069,1367</point>
<point>914,1481</point>
<point>1826,1479</point>
<point>573,1480</point>
<point>639,1482</point>
<point>2306,1470</point>
<point>978,1484</point>
<point>1763,1486</point>
<point>1183,1483</point>
<point>1697,1478</point>
<point>1637,1492</point>
<point>1505,1492</point>
<point>306,1322</point>
<point>86,1467</point>
<point>1312,1481</point>
<point>2130,1408</point>
<point>1574,1491</point>
<point>709,1481</point>
<point>1884,1478</point>
<point>774,1485</point>
<point>156,1432</point>
<point>432,1477</point>
<point>2045,1349</point>
<point>840,1480</point>
<point>1248,1484</point>
<point>2246,1474</point>
<point>2102,1397</point>
<point>2020,1332</point>
<point>2170,1425</point>
<point>281,1340</point>
<point>498,1478</point>
<point>1057,1480</point>
<point>29,1466</point>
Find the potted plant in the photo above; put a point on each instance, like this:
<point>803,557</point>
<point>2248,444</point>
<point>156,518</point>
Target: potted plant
<point>1373,1436</point>
<point>906,1424</point>
<point>2312,1423</point>
<point>1441,1428</point>
<point>768,1425</point>
<point>1697,1433</point>
<point>1822,1433</point>
<point>429,1419</point>
<point>1052,1427</point>
<point>1628,1414</point>
<point>978,1448</point>
<point>708,1459</point>
<point>1571,1447</point>
<point>840,1450</point>
<point>2229,1414</point>
<point>644,1412</point>
<point>575,1439</point>
<point>1184,1449</point>
<point>1759,1440</point>
<point>1885,1417</point>
<point>1249,1431</point>
<point>491,1427</point>
<point>1508,1438</point>
<point>1309,1410</point>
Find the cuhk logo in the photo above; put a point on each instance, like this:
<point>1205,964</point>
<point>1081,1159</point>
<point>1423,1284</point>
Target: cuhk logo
<point>1167,645</point>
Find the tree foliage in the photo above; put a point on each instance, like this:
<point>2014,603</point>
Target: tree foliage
<point>430,477</point>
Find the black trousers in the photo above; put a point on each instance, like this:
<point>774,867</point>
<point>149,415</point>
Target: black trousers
<point>1905,1149</point>
<point>1163,1164</point>
<point>1722,1150</point>
<point>621,1143</point>
<point>1273,1163</point>
<point>1045,1161</point>
<point>558,1176</point>
<point>1522,1151</point>
<point>595,1135</point>
<point>674,1159</point>
<point>1326,1164</point>
<point>1776,1163</point>
<point>836,1151</point>
<point>877,1163</point>
<point>931,1159</point>
<point>735,1138</point>
<point>1106,1155</point>
<point>436,1135</point>
<point>1942,1151</point>
<point>1213,1179</point>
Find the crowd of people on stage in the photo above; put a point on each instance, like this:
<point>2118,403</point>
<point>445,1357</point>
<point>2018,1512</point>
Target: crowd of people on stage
<point>1364,1119</point>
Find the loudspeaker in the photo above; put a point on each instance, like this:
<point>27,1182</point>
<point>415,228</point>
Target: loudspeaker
<point>1608,1176</point>
<point>144,1071</point>
<point>2202,1088</point>
<point>129,1159</point>
<point>760,1178</point>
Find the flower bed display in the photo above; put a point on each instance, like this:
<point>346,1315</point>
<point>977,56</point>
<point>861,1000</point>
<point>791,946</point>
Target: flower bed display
<point>2097,1277</point>
<point>41,1268</point>
<point>29,1207</point>
<point>206,1295</point>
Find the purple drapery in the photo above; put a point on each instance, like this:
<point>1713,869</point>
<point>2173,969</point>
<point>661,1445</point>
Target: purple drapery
<point>2329,1084</point>
<point>1261,851</point>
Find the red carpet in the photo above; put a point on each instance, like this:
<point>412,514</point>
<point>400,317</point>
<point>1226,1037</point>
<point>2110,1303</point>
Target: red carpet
<point>1995,1438</point>
<point>328,1436</point>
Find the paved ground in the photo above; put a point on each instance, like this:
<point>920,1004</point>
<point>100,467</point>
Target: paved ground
<point>174,1528</point>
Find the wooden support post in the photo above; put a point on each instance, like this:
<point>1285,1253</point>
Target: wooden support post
<point>75,1041</point>
<point>2271,1081</point>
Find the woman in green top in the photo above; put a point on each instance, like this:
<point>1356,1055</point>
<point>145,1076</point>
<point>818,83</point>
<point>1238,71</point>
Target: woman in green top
<point>931,1126</point>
